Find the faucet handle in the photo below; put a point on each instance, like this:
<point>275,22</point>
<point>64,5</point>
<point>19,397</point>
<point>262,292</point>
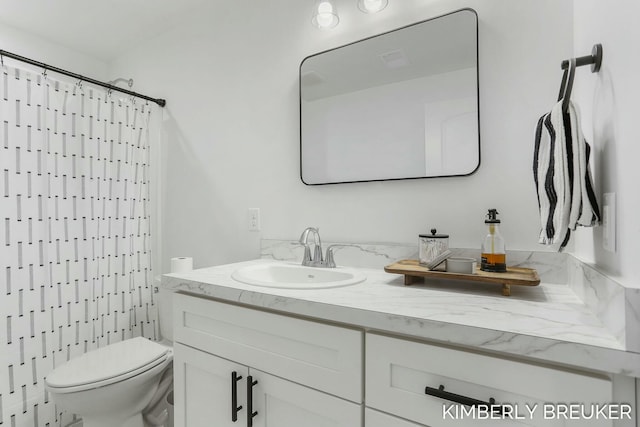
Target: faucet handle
<point>329,262</point>
<point>306,258</point>
<point>329,259</point>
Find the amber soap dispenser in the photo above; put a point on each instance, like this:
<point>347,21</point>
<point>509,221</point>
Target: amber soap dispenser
<point>494,256</point>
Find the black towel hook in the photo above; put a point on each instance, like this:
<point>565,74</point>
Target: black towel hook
<point>569,67</point>
<point>595,59</point>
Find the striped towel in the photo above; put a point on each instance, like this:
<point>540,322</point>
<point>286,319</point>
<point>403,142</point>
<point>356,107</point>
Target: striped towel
<point>562,176</point>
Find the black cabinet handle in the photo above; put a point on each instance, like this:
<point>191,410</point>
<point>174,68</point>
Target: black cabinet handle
<point>250,412</point>
<point>234,396</point>
<point>468,401</point>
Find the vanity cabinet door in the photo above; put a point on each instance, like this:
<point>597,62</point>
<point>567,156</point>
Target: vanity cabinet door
<point>281,403</point>
<point>203,389</point>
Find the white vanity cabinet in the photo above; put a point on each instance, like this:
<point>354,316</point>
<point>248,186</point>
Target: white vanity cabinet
<point>231,362</point>
<point>283,370</point>
<point>399,371</point>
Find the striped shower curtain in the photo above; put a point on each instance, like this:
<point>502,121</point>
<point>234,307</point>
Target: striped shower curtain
<point>75,231</point>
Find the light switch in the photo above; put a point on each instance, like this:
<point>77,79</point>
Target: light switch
<point>254,219</point>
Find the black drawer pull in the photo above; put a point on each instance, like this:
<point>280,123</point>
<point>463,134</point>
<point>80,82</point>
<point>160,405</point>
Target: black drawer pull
<point>250,412</point>
<point>234,396</point>
<point>457,398</point>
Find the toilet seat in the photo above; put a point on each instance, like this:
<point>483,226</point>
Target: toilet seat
<point>107,365</point>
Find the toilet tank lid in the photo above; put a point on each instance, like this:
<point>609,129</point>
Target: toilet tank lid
<point>106,362</point>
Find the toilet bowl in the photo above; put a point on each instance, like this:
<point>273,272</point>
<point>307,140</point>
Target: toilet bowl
<point>110,386</point>
<point>115,385</point>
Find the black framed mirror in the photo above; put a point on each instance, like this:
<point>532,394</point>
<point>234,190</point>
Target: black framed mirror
<point>400,105</point>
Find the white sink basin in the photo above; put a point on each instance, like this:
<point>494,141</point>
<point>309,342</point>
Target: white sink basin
<point>295,276</point>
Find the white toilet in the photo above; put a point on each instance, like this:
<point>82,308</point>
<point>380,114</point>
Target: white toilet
<point>113,385</point>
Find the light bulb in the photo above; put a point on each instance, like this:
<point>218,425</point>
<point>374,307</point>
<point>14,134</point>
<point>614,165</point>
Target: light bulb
<point>325,15</point>
<point>325,8</point>
<point>372,6</point>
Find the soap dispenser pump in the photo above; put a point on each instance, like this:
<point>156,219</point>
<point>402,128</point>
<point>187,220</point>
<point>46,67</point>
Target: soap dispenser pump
<point>494,256</point>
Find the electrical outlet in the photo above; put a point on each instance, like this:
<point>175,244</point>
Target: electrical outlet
<point>254,219</point>
<point>609,222</point>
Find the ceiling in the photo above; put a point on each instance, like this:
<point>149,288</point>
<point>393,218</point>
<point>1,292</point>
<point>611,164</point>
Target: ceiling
<point>87,26</point>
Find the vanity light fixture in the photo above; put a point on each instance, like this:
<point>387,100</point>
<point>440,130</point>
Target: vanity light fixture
<point>325,14</point>
<point>372,6</point>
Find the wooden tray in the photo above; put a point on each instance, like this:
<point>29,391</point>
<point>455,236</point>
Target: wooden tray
<point>414,272</point>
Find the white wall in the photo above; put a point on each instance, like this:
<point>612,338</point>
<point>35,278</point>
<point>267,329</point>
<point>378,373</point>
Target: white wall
<point>610,114</point>
<point>28,45</point>
<point>231,80</point>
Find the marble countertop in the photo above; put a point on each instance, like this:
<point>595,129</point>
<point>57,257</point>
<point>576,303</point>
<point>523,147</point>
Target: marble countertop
<point>545,323</point>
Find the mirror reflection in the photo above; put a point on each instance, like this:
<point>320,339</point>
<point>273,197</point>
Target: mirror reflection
<point>403,104</point>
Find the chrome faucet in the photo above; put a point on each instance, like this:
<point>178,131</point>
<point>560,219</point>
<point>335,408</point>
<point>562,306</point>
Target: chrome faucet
<point>316,260</point>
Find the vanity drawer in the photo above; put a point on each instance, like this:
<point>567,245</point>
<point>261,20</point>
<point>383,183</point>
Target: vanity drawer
<point>320,356</point>
<point>398,371</point>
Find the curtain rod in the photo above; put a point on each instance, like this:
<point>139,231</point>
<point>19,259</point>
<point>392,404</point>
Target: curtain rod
<point>3,53</point>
